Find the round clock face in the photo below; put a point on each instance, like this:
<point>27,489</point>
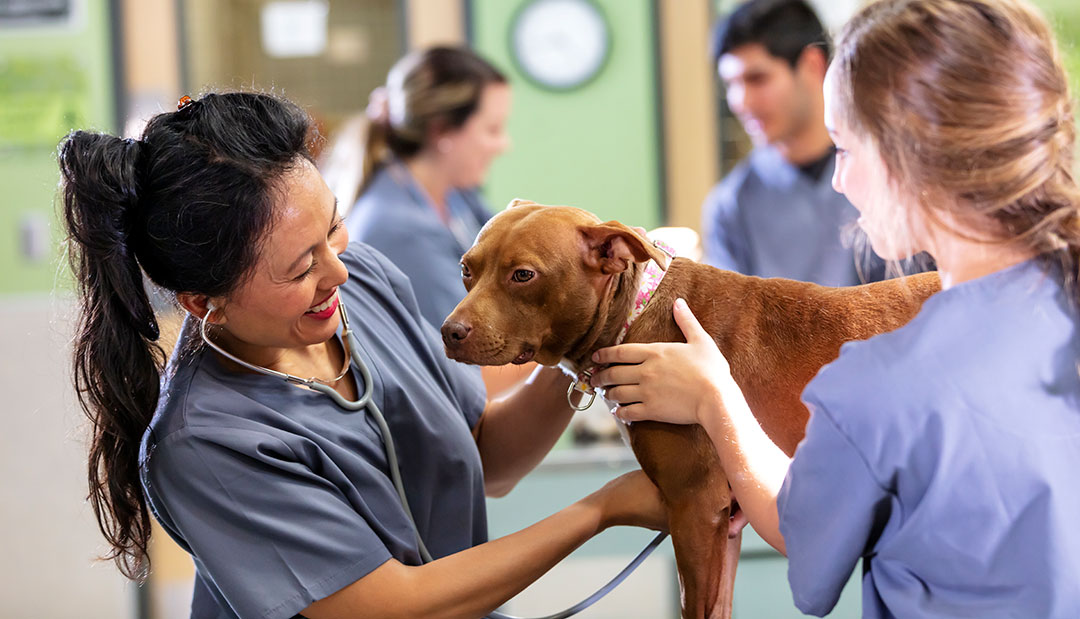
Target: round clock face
<point>560,43</point>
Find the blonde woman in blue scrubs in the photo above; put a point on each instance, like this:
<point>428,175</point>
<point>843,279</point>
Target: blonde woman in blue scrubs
<point>943,454</point>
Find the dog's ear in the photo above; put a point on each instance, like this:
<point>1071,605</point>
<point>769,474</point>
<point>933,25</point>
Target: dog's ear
<point>520,202</point>
<point>610,247</point>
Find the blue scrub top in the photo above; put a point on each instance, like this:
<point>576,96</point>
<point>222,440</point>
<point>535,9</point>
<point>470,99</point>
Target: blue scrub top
<point>282,497</point>
<point>945,455</point>
<point>768,218</point>
<point>394,216</point>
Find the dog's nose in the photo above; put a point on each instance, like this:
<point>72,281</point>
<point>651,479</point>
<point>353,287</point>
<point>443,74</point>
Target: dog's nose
<point>454,333</point>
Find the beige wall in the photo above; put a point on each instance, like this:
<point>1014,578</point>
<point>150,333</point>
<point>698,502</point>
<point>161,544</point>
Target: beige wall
<point>49,536</point>
<point>689,108</point>
<point>151,53</point>
<point>435,22</point>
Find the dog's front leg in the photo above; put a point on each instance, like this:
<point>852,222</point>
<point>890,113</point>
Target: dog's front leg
<point>683,464</point>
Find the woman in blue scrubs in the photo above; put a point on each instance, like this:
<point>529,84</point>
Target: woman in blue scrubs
<point>282,496</point>
<point>943,454</point>
<point>414,165</point>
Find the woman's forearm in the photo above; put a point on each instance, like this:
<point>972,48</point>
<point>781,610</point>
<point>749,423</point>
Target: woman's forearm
<point>468,584</point>
<point>517,431</point>
<point>474,582</point>
<point>502,379</point>
<point>471,583</point>
<point>755,466</point>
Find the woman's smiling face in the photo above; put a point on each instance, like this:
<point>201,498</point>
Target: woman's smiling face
<point>289,301</point>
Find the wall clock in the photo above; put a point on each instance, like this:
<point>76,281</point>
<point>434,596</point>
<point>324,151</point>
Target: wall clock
<point>560,44</point>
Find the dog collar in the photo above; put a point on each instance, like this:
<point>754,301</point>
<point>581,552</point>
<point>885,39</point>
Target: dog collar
<point>647,285</point>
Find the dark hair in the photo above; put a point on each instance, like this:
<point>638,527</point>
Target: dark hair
<point>188,205</point>
<point>784,27</point>
<point>439,87</point>
<point>969,99</point>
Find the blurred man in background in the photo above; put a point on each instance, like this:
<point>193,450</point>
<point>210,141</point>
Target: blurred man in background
<point>776,214</point>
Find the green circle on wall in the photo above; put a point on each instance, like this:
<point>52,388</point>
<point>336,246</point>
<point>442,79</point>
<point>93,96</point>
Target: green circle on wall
<point>560,44</point>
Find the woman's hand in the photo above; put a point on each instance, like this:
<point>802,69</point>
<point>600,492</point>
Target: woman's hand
<point>631,500</point>
<point>670,382</point>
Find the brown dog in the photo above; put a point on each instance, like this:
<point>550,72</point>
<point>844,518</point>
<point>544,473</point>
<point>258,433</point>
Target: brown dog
<point>553,283</point>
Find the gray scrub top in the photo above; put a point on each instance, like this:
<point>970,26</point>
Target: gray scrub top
<point>945,454</point>
<point>395,217</point>
<point>768,218</point>
<point>282,497</point>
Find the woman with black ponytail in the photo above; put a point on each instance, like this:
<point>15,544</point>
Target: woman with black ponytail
<point>282,496</point>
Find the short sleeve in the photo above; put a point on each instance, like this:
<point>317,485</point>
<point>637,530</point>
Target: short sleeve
<point>831,507</point>
<point>465,381</point>
<point>723,242</point>
<point>270,534</point>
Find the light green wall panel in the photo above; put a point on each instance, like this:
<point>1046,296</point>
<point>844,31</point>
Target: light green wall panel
<point>596,147</point>
<point>1064,15</point>
<point>52,79</point>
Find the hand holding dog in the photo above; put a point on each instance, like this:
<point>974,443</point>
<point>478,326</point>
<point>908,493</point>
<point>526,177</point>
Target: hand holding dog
<point>631,500</point>
<point>670,382</point>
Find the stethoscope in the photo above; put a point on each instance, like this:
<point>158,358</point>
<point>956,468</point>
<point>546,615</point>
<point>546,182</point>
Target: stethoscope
<point>352,357</point>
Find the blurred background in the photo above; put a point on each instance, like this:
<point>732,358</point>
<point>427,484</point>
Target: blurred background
<point>641,139</point>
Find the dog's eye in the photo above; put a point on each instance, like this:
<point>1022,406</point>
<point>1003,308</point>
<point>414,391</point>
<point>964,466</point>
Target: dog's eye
<point>465,273</point>
<point>522,275</point>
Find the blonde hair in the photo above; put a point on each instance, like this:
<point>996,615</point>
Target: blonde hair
<point>968,99</point>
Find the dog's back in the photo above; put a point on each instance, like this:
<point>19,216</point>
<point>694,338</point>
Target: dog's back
<point>777,333</point>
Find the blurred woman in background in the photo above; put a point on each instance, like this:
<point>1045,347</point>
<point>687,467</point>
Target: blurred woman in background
<point>431,134</point>
<point>413,164</point>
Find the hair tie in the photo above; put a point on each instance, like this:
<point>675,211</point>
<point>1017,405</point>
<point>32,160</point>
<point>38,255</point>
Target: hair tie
<point>133,152</point>
<point>378,107</point>
<point>184,102</point>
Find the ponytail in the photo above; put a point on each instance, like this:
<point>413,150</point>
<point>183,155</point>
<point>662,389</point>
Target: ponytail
<point>117,360</point>
<point>187,206</point>
<point>376,150</point>
<point>364,139</point>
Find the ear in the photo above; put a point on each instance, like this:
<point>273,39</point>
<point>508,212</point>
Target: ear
<point>199,304</point>
<point>435,132</point>
<point>813,61</point>
<point>520,202</point>
<point>610,247</point>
